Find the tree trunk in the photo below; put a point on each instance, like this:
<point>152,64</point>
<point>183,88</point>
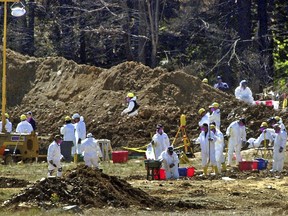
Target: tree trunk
<point>153,14</point>
<point>244,19</point>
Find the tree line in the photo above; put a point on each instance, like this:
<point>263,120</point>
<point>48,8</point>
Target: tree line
<point>234,38</point>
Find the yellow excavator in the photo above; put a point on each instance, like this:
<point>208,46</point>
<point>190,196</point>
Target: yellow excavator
<point>16,147</point>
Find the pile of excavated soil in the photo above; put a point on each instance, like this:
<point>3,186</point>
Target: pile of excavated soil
<point>12,183</point>
<point>55,87</point>
<point>85,187</point>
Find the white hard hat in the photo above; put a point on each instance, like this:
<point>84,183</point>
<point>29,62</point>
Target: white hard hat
<point>89,135</point>
<point>75,115</point>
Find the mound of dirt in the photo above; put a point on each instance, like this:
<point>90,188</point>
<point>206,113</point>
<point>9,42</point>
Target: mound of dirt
<point>85,187</point>
<point>12,183</point>
<point>57,87</point>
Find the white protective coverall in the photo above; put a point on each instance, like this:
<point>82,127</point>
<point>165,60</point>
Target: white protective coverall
<point>267,134</point>
<point>244,94</point>
<point>279,157</point>
<point>161,143</point>
<point>131,110</point>
<point>219,146</point>
<point>91,151</point>
<point>68,132</point>
<point>53,158</point>
<point>236,134</point>
<point>215,117</point>
<point>80,133</point>
<point>167,160</point>
<point>24,127</point>
<point>206,152</point>
<point>204,119</point>
<point>8,126</point>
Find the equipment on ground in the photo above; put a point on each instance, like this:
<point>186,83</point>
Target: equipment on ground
<point>152,167</point>
<point>188,148</point>
<point>16,147</point>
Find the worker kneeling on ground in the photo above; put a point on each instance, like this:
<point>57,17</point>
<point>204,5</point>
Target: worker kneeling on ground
<point>133,106</point>
<point>54,156</point>
<point>279,149</point>
<point>170,162</point>
<point>207,144</point>
<point>91,151</point>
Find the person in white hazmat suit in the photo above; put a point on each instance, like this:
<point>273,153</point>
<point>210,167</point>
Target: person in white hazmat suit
<point>170,162</point>
<point>54,156</point>
<point>266,134</point>
<point>91,151</point>
<point>216,115</point>
<point>69,139</point>
<point>8,125</point>
<point>237,137</point>
<point>160,142</point>
<point>80,132</point>
<point>24,126</point>
<point>280,122</point>
<point>219,147</point>
<point>207,144</point>
<point>279,149</point>
<point>244,93</point>
<point>132,109</point>
<point>204,117</point>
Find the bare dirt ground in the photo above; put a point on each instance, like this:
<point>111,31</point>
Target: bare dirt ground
<point>95,192</point>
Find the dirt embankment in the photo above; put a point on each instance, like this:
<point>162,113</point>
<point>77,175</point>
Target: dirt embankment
<point>55,87</point>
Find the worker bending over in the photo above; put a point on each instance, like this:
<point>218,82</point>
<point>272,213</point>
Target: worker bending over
<point>267,134</point>
<point>132,109</point>
<point>207,143</point>
<point>237,137</point>
<point>170,163</point>
<point>54,156</point>
<point>91,151</point>
<point>279,148</point>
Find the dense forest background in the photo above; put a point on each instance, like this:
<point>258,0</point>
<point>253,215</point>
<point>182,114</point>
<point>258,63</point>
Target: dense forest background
<point>238,39</point>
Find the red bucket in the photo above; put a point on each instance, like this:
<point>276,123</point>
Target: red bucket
<point>120,156</point>
<point>248,165</point>
<point>190,171</point>
<point>161,173</point>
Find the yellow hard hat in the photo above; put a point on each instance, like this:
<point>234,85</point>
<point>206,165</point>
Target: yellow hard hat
<point>130,95</point>
<point>200,111</point>
<point>23,117</point>
<point>214,105</point>
<point>212,126</point>
<point>277,118</point>
<point>6,115</point>
<point>205,80</point>
<point>67,118</point>
<point>264,124</point>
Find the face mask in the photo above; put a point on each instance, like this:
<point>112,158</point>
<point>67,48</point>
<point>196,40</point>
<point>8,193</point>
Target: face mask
<point>213,109</point>
<point>262,129</point>
<point>59,142</point>
<point>160,130</point>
